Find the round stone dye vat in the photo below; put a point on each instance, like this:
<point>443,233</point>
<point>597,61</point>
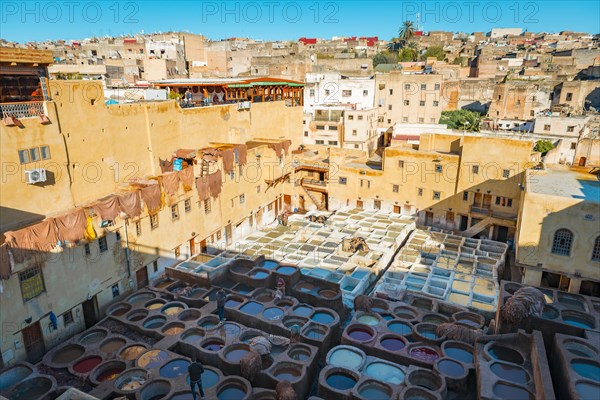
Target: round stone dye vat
<point>424,353</point>
<point>13,375</point>
<point>273,313</point>
<point>174,368</point>
<point>385,372</point>
<point>268,264</point>
<point>137,315</point>
<point>360,333</point>
<point>31,389</point>
<point>67,354</point>
<point>107,371</point>
<point>92,337</point>
<point>392,343</point>
<point>504,353</point>
<point>346,357</point>
<point>510,373</point>
<point>435,319</point>
<point>234,353</point>
<point>341,381</point>
<point>588,390</point>
<point>314,331</point>
<point>116,310</point>
<point>400,327</point>
<point>111,345</point>
<point>287,372</point>
<point>404,312</point>
<point>368,319</point>
<point>578,319</point>
<point>139,299</point>
<point>130,353</point>
<point>189,315</point>
<point>172,308</point>
<point>586,369</point>
<point>232,389</point>
<point>299,352</point>
<point>155,390</point>
<point>416,393</point>
<point>173,328</point>
<point>152,359</point>
<point>85,365</point>
<point>258,273</point>
<point>304,287</point>
<point>286,270</point>
<point>374,390</point>
<point>252,308</point>
<point>193,335</point>
<point>131,380</point>
<point>581,349</point>
<point>303,310</point>
<point>213,344</point>
<point>155,304</point>
<point>550,312</point>
<point>426,379</point>
<point>426,331</point>
<point>154,322</point>
<point>328,293</point>
<point>458,351</point>
<point>450,368</point>
<point>233,301</point>
<point>323,317</point>
<point>209,378</point>
<point>469,319</point>
<point>511,392</point>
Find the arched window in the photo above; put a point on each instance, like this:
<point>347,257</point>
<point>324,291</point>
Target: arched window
<point>596,250</point>
<point>561,245</point>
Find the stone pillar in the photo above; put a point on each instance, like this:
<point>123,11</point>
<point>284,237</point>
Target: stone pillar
<point>532,277</point>
<point>575,285</point>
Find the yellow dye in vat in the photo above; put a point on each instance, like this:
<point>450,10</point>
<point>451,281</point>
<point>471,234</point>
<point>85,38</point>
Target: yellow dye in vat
<point>154,306</point>
<point>483,306</point>
<point>173,331</point>
<point>458,298</point>
<point>460,286</point>
<point>173,310</point>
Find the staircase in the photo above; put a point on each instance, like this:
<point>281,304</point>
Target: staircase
<point>478,227</point>
<point>320,206</point>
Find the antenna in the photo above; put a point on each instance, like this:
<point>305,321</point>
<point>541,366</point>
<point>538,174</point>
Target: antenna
<point>418,21</point>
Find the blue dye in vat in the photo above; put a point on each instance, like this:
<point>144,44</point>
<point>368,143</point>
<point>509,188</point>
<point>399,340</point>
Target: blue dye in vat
<point>361,335</point>
<point>286,270</point>
<point>429,334</point>
<point>232,303</point>
<point>231,393</point>
<point>505,354</point>
<point>209,379</point>
<point>323,318</point>
<point>510,373</point>
<point>578,322</point>
<point>251,307</point>
<point>385,372</point>
<point>373,392</point>
<point>510,392</point>
<point>174,369</point>
<point>273,313</point>
<point>259,275</point>
<point>213,346</point>
<point>459,354</point>
<point>387,317</point>
<point>243,289</point>
<point>359,274</point>
<point>378,309</point>
<point>588,390</point>
<point>400,328</point>
<point>303,311</point>
<point>392,344</point>
<point>267,264</point>
<point>587,370</point>
<point>341,381</point>
<point>451,368</point>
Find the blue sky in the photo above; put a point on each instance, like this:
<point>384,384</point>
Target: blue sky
<point>23,21</point>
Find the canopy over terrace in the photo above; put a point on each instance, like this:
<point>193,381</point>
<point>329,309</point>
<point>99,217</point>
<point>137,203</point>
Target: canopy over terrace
<point>235,90</point>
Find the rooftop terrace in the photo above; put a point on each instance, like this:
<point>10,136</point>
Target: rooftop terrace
<point>569,182</point>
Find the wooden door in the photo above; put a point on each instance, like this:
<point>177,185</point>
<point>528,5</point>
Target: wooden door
<point>359,204</point>
<point>203,246</point>
<point>34,342</point>
<point>487,200</point>
<point>428,218</point>
<point>228,238</point>
<point>90,312</point>
<point>478,200</point>
<point>141,276</point>
<point>397,209</point>
<point>287,201</point>
<point>301,203</point>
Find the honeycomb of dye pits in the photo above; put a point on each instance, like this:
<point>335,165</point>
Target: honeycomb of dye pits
<point>575,362</point>
<point>505,366</point>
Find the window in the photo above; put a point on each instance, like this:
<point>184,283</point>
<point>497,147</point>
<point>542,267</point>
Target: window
<point>465,196</point>
<point>153,221</point>
<point>404,119</point>
<point>354,132</point>
<point>421,120</point>
<point>389,120</point>
<point>102,244</point>
<point>187,205</point>
<point>34,154</point>
<point>333,127</point>
<point>475,169</point>
<point>364,182</point>
<point>360,117</point>
<point>32,283</point>
<point>117,236</point>
<point>401,163</point>
<point>436,103</point>
<point>436,195</point>
<point>346,93</point>
<point>573,146</point>
<point>68,318</point>
<point>432,120</point>
<point>23,156</point>
<point>423,86</point>
<point>365,92</point>
<point>406,102</point>
<point>420,191</point>
<point>242,198</point>
<point>155,265</point>
<point>407,86</point>
<point>395,188</point>
<point>503,201</point>
<point>321,127</point>
<point>391,92</point>
<point>305,133</point>
<point>389,106</point>
<point>319,142</point>
<point>506,173</point>
<point>327,92</point>
<point>311,92</point>
<point>258,189</point>
<point>218,235</point>
<point>380,119</point>
<point>437,86</point>
<point>569,97</point>
<point>175,212</point>
<point>86,249</point>
<point>377,204</point>
<point>570,129</point>
<point>438,168</point>
<point>350,117</point>
<point>177,251</point>
<point>356,146</point>
<point>532,113</point>
<point>115,290</point>
<point>207,206</point>
<point>546,127</point>
<point>422,103</point>
<point>333,142</point>
<point>343,180</point>
<point>596,250</point>
<point>45,152</point>
<point>561,245</point>
<point>138,228</point>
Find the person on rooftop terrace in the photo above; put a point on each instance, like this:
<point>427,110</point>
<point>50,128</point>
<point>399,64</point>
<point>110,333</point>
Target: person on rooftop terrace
<point>195,371</point>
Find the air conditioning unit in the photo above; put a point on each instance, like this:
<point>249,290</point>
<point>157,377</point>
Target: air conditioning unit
<point>35,175</point>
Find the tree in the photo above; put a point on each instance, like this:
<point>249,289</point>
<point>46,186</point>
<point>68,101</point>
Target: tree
<point>408,54</point>
<point>462,119</point>
<point>407,31</point>
<point>543,146</point>
<point>434,51</point>
<point>385,58</point>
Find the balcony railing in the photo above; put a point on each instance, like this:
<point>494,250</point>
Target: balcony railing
<point>481,210</point>
<point>313,182</point>
<point>22,110</point>
<point>305,165</point>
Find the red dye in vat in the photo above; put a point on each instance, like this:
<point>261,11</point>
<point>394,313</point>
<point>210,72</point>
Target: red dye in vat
<point>424,353</point>
<point>86,365</point>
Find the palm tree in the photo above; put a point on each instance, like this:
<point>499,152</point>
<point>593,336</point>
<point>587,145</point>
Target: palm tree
<point>407,31</point>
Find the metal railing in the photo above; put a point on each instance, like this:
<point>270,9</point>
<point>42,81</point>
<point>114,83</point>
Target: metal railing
<point>481,210</point>
<point>22,110</point>
<point>314,182</point>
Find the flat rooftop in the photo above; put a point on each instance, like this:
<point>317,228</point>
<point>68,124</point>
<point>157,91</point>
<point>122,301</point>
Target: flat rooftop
<point>570,182</point>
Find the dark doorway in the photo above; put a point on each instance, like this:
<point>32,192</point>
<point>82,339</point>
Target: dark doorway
<point>90,312</point>
<point>228,238</point>
<point>428,218</point>
<point>464,222</point>
<point>141,276</point>
<point>34,342</point>
<point>301,202</point>
<point>502,233</point>
<point>287,201</point>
